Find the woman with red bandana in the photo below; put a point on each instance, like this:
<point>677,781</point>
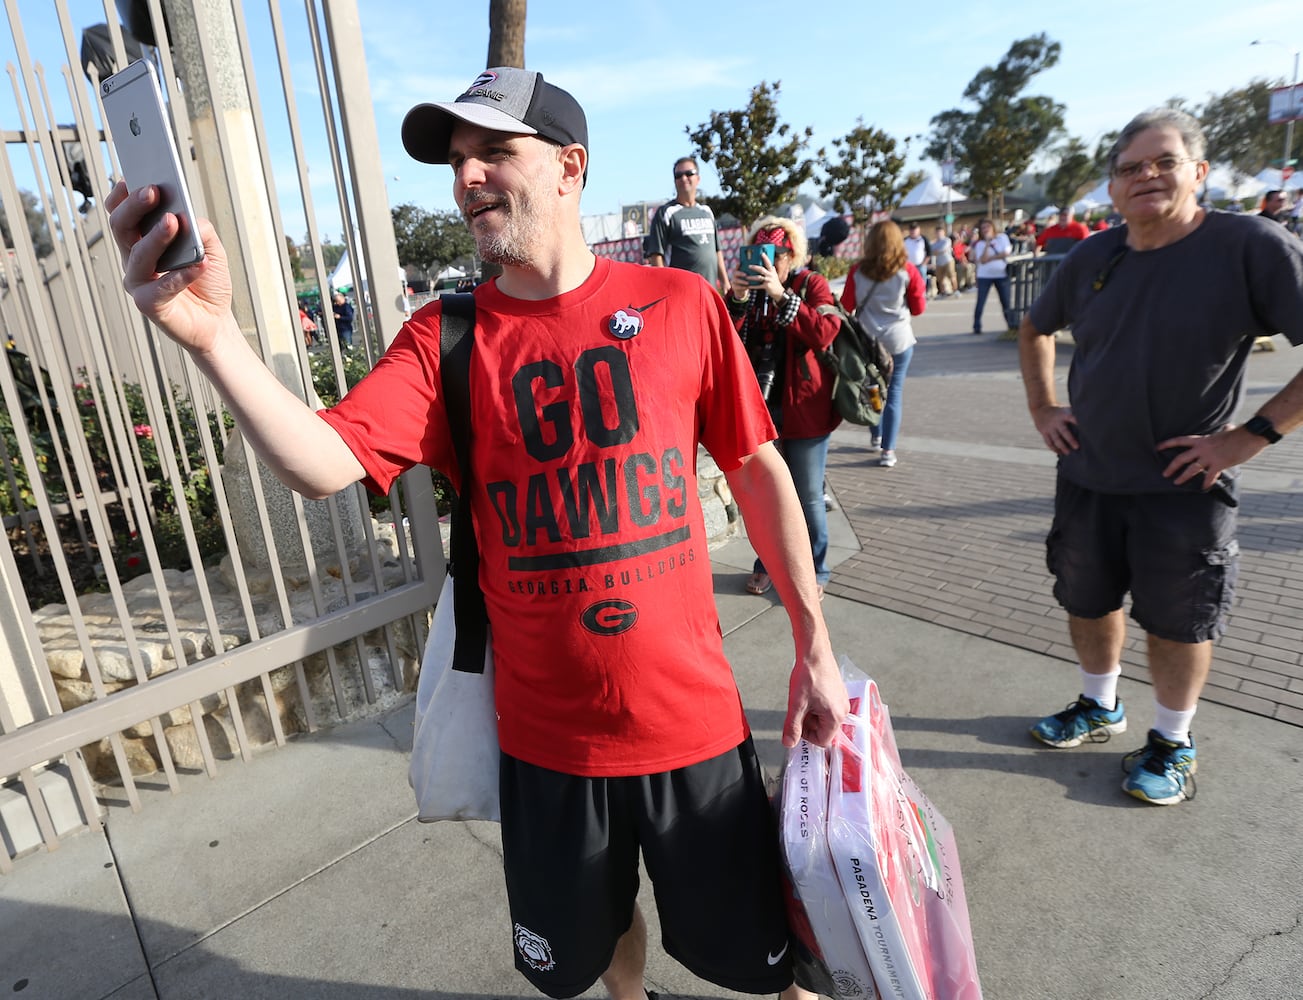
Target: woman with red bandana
<point>775,308</point>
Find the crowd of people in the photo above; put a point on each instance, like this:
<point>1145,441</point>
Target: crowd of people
<point>592,384</point>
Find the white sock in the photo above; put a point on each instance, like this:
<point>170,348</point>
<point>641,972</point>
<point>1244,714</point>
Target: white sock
<point>1173,724</point>
<point>1101,688</point>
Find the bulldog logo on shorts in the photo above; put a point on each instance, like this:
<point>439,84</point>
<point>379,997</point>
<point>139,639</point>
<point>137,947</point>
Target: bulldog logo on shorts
<point>848,984</point>
<point>534,949</point>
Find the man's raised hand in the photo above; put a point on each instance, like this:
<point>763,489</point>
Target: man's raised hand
<point>189,304</point>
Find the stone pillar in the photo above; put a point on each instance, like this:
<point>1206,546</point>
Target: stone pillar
<point>240,207</point>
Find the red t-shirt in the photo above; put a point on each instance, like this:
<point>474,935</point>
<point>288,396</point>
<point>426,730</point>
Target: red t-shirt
<point>593,552</point>
<point>1073,230</point>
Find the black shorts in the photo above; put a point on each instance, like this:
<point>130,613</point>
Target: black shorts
<point>710,843</point>
<point>1176,552</point>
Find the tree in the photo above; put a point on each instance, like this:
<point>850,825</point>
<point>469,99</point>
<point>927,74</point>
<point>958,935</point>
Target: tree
<point>296,260</point>
<point>864,173</point>
<point>758,160</point>
<point>1076,168</point>
<point>995,143</point>
<point>331,253</point>
<point>1103,148</point>
<point>507,33</point>
<point>506,48</point>
<point>430,240</point>
<point>42,243</point>
<point>1238,131</point>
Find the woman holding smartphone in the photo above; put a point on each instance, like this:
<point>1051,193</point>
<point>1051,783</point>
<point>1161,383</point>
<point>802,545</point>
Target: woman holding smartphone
<point>774,303</point>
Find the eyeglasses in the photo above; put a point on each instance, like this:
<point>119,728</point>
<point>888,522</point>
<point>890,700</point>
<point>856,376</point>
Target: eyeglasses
<point>685,173</point>
<point>1161,164</point>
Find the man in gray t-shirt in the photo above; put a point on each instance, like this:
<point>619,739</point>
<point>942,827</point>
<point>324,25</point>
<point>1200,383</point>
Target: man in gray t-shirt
<point>683,233</point>
<point>1164,312</point>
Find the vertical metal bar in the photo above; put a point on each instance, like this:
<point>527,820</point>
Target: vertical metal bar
<point>357,113</point>
<point>24,524</point>
<point>131,476</point>
<point>44,326</point>
<point>37,355</point>
<point>36,803</point>
<point>81,781</point>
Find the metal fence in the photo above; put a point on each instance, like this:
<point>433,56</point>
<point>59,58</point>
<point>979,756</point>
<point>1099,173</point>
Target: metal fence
<point>165,604</point>
<point>1028,276</point>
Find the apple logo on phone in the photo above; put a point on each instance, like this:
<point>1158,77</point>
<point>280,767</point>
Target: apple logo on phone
<point>134,124</point>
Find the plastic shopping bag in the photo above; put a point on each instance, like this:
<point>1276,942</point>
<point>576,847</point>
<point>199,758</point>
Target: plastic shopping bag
<point>828,955</point>
<point>898,864</point>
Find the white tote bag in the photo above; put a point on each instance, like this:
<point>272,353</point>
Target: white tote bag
<point>454,768</point>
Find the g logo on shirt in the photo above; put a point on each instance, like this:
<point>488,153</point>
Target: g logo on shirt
<point>609,617</point>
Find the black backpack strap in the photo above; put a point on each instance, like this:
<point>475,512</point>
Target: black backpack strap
<point>456,341</point>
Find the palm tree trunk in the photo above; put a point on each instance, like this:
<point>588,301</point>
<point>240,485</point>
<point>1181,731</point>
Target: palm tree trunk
<point>507,33</point>
<point>506,48</point>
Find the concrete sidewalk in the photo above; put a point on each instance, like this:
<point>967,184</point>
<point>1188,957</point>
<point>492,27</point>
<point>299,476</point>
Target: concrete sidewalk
<point>305,875</point>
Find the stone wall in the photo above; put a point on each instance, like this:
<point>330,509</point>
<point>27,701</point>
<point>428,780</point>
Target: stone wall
<point>66,658</point>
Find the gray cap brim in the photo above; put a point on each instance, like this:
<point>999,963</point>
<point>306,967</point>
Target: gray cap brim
<point>427,128</point>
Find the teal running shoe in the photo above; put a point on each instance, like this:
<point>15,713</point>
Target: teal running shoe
<point>1161,772</point>
<point>1085,720</point>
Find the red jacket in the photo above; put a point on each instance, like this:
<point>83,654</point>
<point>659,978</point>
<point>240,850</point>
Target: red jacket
<point>807,407</point>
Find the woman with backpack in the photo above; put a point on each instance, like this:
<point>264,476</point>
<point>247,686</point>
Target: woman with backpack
<point>774,305</point>
<point>883,292</point>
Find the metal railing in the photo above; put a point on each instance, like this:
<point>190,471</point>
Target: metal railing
<point>1028,276</point>
<point>163,603</point>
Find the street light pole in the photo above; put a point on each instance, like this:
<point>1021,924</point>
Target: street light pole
<point>1289,124</point>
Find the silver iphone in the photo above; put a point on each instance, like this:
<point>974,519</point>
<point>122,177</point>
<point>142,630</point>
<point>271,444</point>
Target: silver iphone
<point>133,107</point>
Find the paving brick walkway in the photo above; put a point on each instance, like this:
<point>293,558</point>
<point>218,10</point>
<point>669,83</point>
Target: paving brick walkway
<point>954,534</point>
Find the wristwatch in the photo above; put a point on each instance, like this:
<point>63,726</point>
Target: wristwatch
<point>1262,427</point>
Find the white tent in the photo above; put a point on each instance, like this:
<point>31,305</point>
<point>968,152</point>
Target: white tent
<point>342,277</point>
<point>931,192</point>
<point>1225,184</point>
<point>1047,211</point>
<point>1270,176</point>
<point>815,216</point>
<point>1097,197</point>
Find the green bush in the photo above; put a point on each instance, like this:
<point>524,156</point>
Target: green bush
<point>832,267</point>
<point>196,491</point>
<point>322,368</point>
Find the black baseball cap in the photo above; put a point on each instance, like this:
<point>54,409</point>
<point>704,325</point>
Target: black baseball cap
<point>505,99</point>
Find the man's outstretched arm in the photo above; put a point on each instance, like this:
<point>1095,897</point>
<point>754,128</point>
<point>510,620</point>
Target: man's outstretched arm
<point>816,700</point>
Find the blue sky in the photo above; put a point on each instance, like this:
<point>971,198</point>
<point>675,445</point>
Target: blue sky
<point>645,69</point>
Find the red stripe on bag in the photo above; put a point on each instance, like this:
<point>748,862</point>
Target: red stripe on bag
<point>852,766</point>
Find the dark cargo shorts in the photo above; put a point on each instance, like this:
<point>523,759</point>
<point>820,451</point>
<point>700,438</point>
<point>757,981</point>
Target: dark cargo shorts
<point>1175,552</point>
